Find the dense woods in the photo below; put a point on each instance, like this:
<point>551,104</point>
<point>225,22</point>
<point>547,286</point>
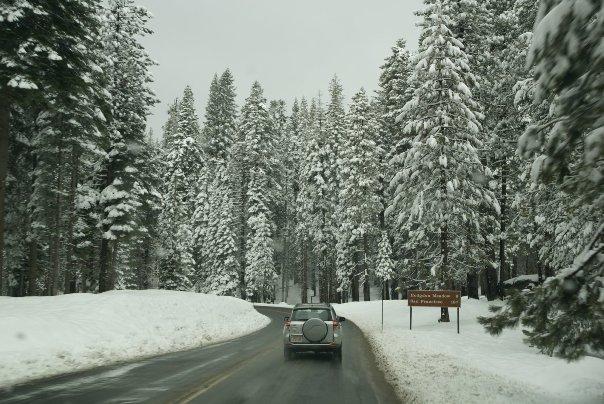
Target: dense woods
<point>479,158</point>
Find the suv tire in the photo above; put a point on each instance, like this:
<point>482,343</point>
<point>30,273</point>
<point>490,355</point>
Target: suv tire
<point>287,353</point>
<point>337,354</point>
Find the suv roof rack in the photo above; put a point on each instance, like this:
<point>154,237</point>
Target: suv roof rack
<point>312,305</point>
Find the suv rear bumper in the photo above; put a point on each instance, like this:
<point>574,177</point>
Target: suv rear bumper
<point>332,346</point>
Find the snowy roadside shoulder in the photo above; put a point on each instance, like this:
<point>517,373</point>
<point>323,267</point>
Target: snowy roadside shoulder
<point>432,363</point>
<point>45,336</point>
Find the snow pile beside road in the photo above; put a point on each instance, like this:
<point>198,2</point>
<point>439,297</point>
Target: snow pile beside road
<point>44,336</point>
<point>432,363</point>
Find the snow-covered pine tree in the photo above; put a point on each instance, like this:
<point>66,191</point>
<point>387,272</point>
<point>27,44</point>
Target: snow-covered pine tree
<point>127,68</point>
<point>291,152</point>
<point>335,132</point>
<point>261,184</point>
<point>184,165</point>
<point>221,114</point>
<point>564,316</point>
<point>141,255</point>
<point>171,126</point>
<point>260,271</point>
<point>221,239</point>
<point>306,184</point>
<point>42,56</point>
<point>393,94</point>
<point>359,202</point>
<point>500,69</point>
<point>384,269</point>
<point>201,229</point>
<point>315,201</point>
<point>438,194</point>
<point>283,213</point>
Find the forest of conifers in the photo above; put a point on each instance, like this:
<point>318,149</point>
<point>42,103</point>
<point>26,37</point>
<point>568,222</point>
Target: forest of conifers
<point>478,159</point>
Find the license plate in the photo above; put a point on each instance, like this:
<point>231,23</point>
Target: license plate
<point>295,338</point>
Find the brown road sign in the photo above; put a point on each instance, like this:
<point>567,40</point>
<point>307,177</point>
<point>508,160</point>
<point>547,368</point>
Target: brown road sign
<point>434,298</point>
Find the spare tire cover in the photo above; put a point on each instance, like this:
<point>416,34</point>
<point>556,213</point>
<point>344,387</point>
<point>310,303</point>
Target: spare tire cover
<point>314,329</point>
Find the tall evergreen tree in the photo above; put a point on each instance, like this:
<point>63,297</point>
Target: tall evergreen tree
<point>261,187</point>
<point>564,315</point>
<point>171,126</point>
<point>221,114</point>
<point>41,54</point>
<point>130,99</point>
<point>359,203</point>
<point>221,245</point>
<point>185,163</point>
<point>438,195</point>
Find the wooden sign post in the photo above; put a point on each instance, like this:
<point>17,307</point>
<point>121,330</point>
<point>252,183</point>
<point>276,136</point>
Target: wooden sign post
<point>433,298</point>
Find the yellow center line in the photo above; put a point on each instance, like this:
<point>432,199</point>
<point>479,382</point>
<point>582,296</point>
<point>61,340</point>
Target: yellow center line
<point>213,381</point>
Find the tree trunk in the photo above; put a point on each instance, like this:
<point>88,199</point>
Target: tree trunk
<point>32,274</point>
<point>103,265</point>
<point>472,284</point>
<point>4,122</point>
<point>446,278</point>
<point>491,280</point>
<point>105,253</point>
<point>112,275</point>
<point>354,285</point>
<point>366,293</point>
<point>56,238</point>
<point>304,286</point>
<point>502,228</point>
<point>385,290</point>
<point>143,278</point>
<point>539,272</point>
<point>69,276</point>
<point>393,291</point>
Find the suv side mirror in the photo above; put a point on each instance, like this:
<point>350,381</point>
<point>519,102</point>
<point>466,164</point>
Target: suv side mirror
<point>342,319</point>
<point>286,319</point>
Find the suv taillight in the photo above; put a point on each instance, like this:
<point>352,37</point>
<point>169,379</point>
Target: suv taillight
<point>336,324</point>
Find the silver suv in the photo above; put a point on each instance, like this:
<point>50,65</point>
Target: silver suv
<point>312,327</point>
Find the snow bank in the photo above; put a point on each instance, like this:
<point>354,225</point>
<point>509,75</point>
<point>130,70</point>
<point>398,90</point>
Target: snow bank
<point>432,363</point>
<point>44,336</point>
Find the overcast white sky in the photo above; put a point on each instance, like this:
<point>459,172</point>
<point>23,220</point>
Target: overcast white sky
<point>292,47</point>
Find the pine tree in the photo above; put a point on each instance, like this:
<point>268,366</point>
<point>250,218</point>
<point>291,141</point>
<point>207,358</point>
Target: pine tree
<point>41,55</point>
<point>260,270</point>
<point>130,99</point>
<point>359,203</point>
<point>221,114</point>
<point>185,163</point>
<point>393,94</point>
<point>564,315</point>
<point>221,243</point>
<point>261,184</point>
<point>171,125</point>
<point>291,152</point>
<point>285,213</point>
<point>438,195</point>
<point>303,197</point>
<point>384,269</point>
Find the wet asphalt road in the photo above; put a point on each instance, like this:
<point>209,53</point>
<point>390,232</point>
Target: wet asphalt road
<point>250,369</point>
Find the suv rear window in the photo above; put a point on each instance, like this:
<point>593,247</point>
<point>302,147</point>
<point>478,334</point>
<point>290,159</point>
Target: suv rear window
<point>305,314</point>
